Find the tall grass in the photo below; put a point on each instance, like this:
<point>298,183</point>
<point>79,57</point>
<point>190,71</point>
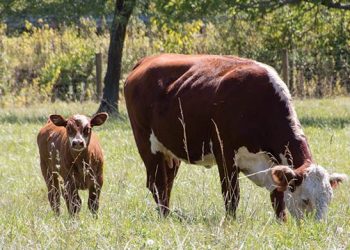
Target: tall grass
<point>128,216</point>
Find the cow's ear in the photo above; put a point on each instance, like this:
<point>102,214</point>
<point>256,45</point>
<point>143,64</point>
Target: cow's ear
<point>98,119</point>
<point>335,179</point>
<point>282,176</point>
<point>58,120</point>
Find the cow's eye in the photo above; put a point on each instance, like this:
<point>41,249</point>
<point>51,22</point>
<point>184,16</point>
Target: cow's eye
<point>87,131</point>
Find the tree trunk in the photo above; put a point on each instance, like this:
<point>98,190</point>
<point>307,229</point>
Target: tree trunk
<point>285,67</point>
<point>122,12</point>
<point>292,87</point>
<point>98,63</point>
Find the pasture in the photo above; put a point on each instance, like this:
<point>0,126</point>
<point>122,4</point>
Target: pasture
<point>128,216</point>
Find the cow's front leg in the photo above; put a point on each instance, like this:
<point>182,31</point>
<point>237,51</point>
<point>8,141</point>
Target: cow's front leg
<point>224,157</point>
<point>230,188</point>
<point>278,204</point>
<point>229,181</point>
<point>71,196</point>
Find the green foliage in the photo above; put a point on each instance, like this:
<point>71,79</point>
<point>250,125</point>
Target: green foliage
<point>316,37</point>
<point>128,218</point>
<point>58,11</point>
<point>3,63</point>
<point>59,62</point>
<point>177,40</point>
<point>68,70</point>
<point>45,63</point>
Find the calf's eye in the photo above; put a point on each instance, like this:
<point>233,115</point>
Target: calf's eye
<point>86,131</point>
<point>70,130</point>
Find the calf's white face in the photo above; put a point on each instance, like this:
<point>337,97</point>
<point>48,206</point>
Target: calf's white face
<point>314,192</point>
<point>79,128</point>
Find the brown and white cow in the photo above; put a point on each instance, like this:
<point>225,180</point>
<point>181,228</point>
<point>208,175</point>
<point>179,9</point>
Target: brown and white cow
<point>233,112</point>
<point>70,151</point>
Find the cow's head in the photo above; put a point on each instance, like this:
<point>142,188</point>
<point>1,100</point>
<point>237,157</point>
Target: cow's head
<point>79,128</point>
<point>307,189</point>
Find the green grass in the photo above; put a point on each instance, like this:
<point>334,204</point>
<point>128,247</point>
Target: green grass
<point>128,216</point>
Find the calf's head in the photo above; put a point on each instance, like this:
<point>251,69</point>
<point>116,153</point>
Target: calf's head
<point>306,189</point>
<point>79,128</point>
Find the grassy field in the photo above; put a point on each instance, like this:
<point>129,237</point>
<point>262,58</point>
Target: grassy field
<point>128,216</point>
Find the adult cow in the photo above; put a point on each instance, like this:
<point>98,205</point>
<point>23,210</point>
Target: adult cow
<point>226,110</point>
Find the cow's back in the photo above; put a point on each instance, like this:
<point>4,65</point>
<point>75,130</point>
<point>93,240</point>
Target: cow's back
<point>184,99</point>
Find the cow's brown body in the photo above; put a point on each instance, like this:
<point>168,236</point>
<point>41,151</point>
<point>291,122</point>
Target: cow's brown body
<point>66,171</point>
<point>194,106</point>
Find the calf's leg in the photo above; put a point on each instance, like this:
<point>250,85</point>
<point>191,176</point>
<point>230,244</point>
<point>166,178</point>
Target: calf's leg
<point>93,201</point>
<point>71,196</point>
<point>51,179</point>
<point>94,195</point>
<point>54,193</point>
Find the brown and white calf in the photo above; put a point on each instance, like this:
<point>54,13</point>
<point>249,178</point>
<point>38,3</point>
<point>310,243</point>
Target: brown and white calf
<point>71,158</point>
<point>233,112</point>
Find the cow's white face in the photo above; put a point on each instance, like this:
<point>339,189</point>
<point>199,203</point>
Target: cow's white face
<point>314,194</point>
<point>79,128</point>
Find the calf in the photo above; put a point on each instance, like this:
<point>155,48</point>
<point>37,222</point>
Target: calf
<point>71,159</point>
<point>233,112</point>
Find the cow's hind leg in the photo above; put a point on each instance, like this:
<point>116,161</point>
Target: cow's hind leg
<point>161,171</point>
<point>160,178</point>
<point>172,168</point>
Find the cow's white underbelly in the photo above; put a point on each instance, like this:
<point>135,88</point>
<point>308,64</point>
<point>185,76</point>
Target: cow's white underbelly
<point>156,146</point>
<point>256,166</point>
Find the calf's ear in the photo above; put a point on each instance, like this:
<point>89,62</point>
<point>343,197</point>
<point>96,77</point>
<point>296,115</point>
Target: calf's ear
<point>98,119</point>
<point>58,120</point>
<point>282,176</point>
<point>335,179</point>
